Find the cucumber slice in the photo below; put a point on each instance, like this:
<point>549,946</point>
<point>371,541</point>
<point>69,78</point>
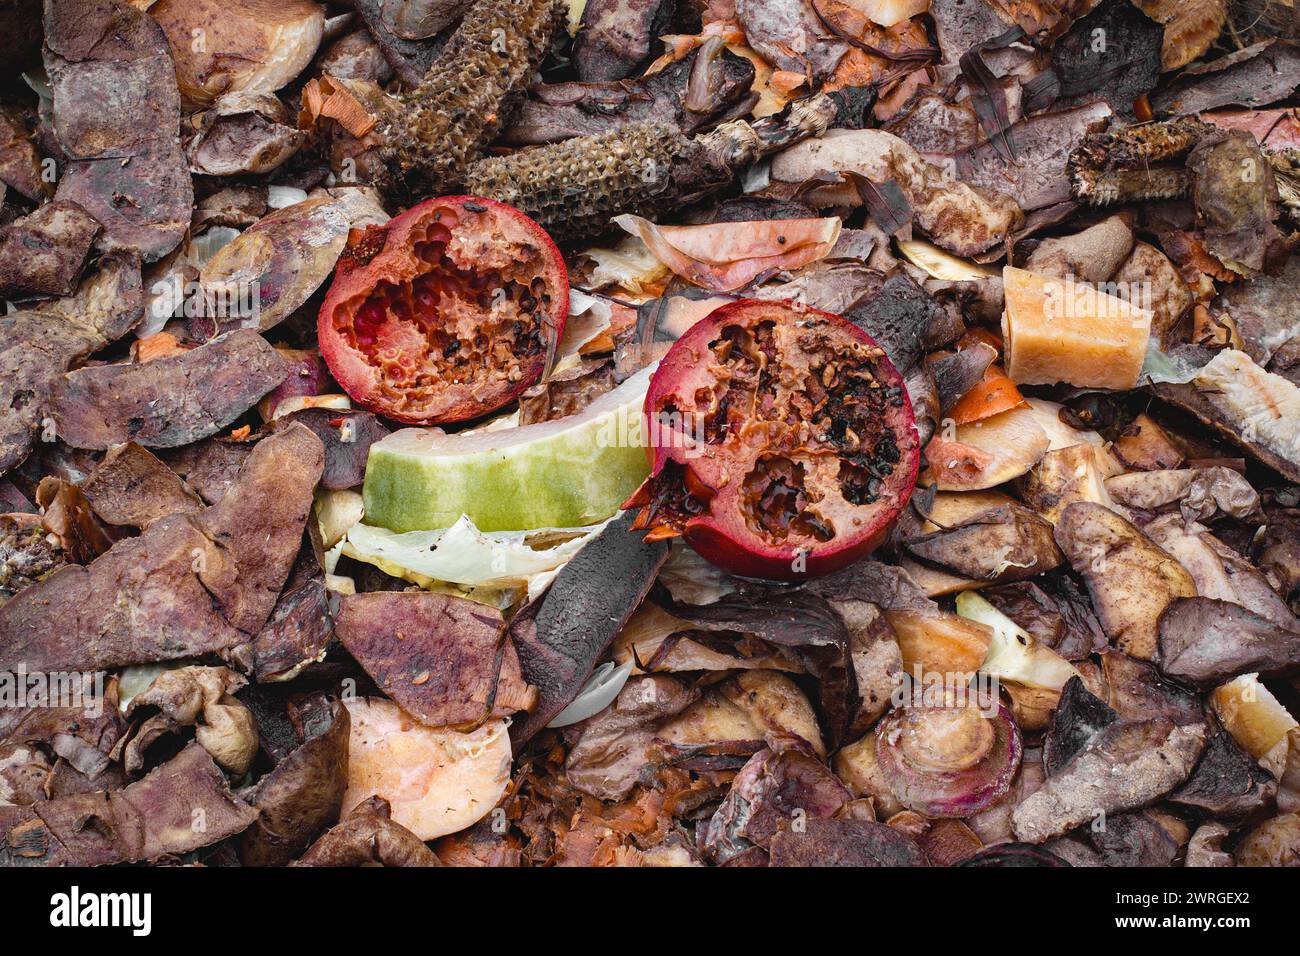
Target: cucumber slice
<point>565,473</point>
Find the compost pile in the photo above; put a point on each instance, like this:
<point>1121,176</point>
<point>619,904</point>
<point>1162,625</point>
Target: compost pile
<point>650,432</point>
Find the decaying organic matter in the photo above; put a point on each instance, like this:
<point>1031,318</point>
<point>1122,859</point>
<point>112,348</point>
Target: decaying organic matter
<point>788,446</point>
<point>126,168</point>
<point>170,401</point>
<point>649,433</point>
<point>191,584</point>
<point>434,132</point>
<point>575,187</point>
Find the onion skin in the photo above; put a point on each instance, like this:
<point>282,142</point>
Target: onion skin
<point>953,794</point>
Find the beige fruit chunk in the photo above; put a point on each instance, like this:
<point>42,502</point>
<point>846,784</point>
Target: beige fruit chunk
<point>1252,715</point>
<point>437,781</point>
<point>986,453</point>
<point>1061,331</point>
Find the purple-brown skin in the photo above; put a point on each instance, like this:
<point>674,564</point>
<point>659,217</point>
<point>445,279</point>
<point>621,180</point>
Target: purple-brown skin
<point>174,591</point>
<point>956,793</point>
<point>445,659</point>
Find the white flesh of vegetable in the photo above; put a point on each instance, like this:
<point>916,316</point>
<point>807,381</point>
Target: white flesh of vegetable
<point>1013,655</point>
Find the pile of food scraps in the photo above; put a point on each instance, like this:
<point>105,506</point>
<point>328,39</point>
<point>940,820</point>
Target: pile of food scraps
<point>650,432</point>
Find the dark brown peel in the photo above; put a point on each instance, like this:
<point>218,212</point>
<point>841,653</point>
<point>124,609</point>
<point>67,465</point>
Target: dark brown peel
<point>149,819</point>
<point>299,798</point>
<point>43,254</point>
<point>133,488</point>
<point>561,636</point>
<point>445,660</point>
<point>368,837</point>
<point>559,111</point>
<point>190,584</point>
<point>126,166</point>
<point>616,37</point>
<point>170,401</point>
<point>41,343</point>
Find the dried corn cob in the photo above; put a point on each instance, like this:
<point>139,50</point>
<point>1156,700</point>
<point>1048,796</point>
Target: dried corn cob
<point>575,187</point>
<point>1122,166</point>
<point>434,132</point>
<point>1125,165</point>
<point>1286,167</point>
<point>1130,185</point>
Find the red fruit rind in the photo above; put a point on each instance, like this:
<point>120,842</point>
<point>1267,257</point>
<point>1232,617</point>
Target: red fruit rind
<point>446,313</point>
<point>784,444</point>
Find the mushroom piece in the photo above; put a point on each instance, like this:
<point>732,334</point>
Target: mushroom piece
<point>1144,446</point>
<point>1135,689</point>
<point>837,842</point>
<point>201,697</point>
<point>856,765</point>
<point>1220,572</point>
<point>751,709</point>
<point>1130,578</point>
<point>1064,476</point>
<point>1254,408</point>
<point>1199,493</point>
<point>939,644</point>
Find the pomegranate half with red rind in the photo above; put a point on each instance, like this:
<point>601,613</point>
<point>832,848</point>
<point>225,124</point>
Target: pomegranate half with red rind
<point>783,442</point>
<point>446,313</point>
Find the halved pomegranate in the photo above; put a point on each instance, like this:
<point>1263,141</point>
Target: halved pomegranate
<point>783,442</point>
<point>446,313</point>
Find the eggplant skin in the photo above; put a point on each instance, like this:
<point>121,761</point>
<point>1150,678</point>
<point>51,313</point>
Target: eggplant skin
<point>1079,717</point>
<point>557,641</point>
<point>1014,854</point>
<point>1204,642</point>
